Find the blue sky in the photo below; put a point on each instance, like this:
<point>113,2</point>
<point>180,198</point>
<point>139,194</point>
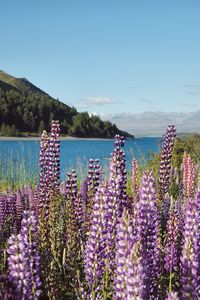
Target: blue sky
<point>106,56</point>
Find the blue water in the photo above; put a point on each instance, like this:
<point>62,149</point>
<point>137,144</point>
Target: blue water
<point>75,154</point>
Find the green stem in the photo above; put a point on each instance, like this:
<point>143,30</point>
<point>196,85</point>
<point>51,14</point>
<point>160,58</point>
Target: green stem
<point>170,281</point>
<point>105,286</point>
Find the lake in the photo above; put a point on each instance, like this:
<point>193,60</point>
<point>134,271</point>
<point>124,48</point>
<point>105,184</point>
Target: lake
<point>18,156</point>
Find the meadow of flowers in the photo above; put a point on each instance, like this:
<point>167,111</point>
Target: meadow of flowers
<point>102,240</point>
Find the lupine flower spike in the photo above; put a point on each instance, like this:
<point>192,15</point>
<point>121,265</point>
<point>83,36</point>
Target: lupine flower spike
<point>165,160</point>
<point>148,234</point>
<point>128,282</point>
<point>24,260</point>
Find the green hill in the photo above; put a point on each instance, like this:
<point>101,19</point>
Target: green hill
<point>20,84</point>
<point>26,109</point>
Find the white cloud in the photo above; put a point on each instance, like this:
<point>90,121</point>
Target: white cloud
<point>102,115</point>
<point>81,105</point>
<point>98,101</point>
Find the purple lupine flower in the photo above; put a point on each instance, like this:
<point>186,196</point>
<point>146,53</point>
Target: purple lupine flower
<point>80,213</point>
<point>43,164</point>
<point>180,211</point>
<point>190,288</point>
<point>54,145</point>
<point>77,204</point>
<point>73,231</point>
<point>128,283</point>
<point>148,234</point>
<point>117,179</point>
<point>19,267</point>
<point>84,198</point>
<point>19,209</point>
<point>49,163</point>
<point>43,159</point>
<point>84,190</point>
<point>173,247</point>
<point>90,296</point>
<point>24,201</point>
<point>172,296</point>
<point>165,160</point>
<point>92,182</point>
<point>116,199</point>
<point>172,251</point>
<point>28,195</point>
<point>5,291</point>
<point>29,230</point>
<point>71,193</point>
<point>197,201</point>
<point>24,260</point>
<point>8,218</point>
<point>71,237</point>
<point>188,176</point>
<point>95,248</point>
<point>74,228</point>
<point>166,207</point>
<point>2,212</point>
<point>94,175</point>
<point>71,189</point>
<point>35,202</point>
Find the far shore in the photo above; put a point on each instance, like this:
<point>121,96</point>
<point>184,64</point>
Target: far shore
<point>66,138</point>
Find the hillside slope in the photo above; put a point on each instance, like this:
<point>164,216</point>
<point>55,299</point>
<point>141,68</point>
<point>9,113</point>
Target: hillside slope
<point>24,108</point>
<point>20,84</point>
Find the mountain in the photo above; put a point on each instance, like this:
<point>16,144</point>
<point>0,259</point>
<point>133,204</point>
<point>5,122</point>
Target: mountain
<point>26,109</point>
<point>21,85</point>
<point>154,123</point>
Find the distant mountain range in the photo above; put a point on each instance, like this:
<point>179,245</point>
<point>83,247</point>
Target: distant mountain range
<point>25,110</point>
<point>154,123</point>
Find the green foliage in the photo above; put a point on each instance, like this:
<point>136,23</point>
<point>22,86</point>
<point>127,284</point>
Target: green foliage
<point>153,164</point>
<point>6,130</point>
<point>189,143</point>
<point>24,112</point>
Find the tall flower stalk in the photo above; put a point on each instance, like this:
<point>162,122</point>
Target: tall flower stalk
<point>148,234</point>
<point>172,250</point>
<point>48,191</point>
<point>128,280</point>
<point>190,287</point>
<point>24,260</point>
<point>95,248</point>
<point>188,176</point>
<point>165,160</point>
<point>116,199</point>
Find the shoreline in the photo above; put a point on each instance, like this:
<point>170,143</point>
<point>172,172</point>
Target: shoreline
<point>67,138</point>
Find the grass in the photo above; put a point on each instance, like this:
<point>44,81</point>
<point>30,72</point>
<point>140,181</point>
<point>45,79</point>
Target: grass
<point>16,172</point>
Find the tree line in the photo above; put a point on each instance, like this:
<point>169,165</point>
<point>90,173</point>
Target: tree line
<point>27,113</point>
